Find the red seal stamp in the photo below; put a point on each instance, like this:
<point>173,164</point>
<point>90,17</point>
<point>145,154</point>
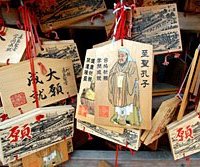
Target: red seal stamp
<point>104,111</point>
<point>18,99</point>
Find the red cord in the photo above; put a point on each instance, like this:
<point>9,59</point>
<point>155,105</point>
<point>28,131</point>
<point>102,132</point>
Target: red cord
<point>30,52</point>
<point>116,155</point>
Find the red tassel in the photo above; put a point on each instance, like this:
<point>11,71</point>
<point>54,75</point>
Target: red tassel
<point>42,68</point>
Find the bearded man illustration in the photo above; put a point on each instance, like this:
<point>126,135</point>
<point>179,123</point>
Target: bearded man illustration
<point>123,91</point>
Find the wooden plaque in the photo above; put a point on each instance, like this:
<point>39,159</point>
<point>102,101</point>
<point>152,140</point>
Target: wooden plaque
<point>124,80</point>
<point>35,130</point>
<point>12,46</point>
<point>86,98</point>
<point>130,138</point>
<point>64,13</point>
<point>192,6</point>
<point>62,50</point>
<point>55,81</point>
<point>159,26</point>
<point>184,136</point>
<point>163,116</point>
<point>48,157</point>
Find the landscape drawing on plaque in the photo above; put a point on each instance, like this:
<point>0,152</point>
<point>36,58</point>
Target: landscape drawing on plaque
<point>64,13</point>
<point>124,78</point>
<point>130,138</point>
<point>159,26</point>
<point>55,81</point>
<point>184,136</point>
<point>12,46</point>
<point>35,130</point>
<point>62,50</point>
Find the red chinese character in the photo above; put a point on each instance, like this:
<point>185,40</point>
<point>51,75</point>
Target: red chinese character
<point>14,134</point>
<point>3,117</point>
<point>180,134</point>
<point>26,132</point>
<point>188,132</point>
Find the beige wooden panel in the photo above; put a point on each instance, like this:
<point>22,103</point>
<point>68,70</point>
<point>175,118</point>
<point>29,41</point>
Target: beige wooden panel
<point>55,81</point>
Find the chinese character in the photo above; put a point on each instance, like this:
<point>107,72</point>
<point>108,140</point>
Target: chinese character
<point>85,78</point>
<point>90,79</point>
<point>86,72</point>
<point>51,74</point>
<point>92,61</point>
<point>3,117</point>
<point>26,132</point>
<point>188,132</point>
<point>87,66</point>
<point>41,95</point>
<point>180,134</point>
<point>36,79</point>
<point>98,78</point>
<point>105,78</point>
<point>55,90</point>
<point>105,60</point>
<point>99,60</point>
<point>105,72</point>
<point>91,66</point>
<point>144,73</point>
<point>66,73</point>
<point>99,72</point>
<point>144,53</point>
<point>105,66</point>
<point>145,63</point>
<point>99,66</point>
<point>90,72</point>
<point>88,60</point>
<point>14,134</point>
<point>144,83</point>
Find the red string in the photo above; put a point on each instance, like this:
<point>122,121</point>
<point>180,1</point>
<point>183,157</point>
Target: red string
<point>116,155</point>
<point>89,136</point>
<point>188,161</point>
<point>30,49</point>
<point>122,30</point>
<point>131,151</point>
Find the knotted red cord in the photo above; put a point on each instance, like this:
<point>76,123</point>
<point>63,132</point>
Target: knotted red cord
<point>30,48</point>
<point>121,30</point>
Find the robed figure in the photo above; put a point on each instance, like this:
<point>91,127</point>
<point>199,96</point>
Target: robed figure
<point>123,91</point>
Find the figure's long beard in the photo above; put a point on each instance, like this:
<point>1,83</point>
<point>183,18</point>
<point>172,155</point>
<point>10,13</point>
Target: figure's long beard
<point>123,64</point>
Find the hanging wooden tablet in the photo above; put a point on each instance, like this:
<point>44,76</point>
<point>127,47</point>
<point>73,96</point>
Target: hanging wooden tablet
<point>159,26</point>
<point>192,6</point>
<point>86,98</point>
<point>130,138</point>
<point>124,80</point>
<point>163,116</point>
<point>184,136</point>
<point>62,50</point>
<point>35,130</point>
<point>48,157</point>
<point>12,46</point>
<point>55,81</point>
<point>64,13</point>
